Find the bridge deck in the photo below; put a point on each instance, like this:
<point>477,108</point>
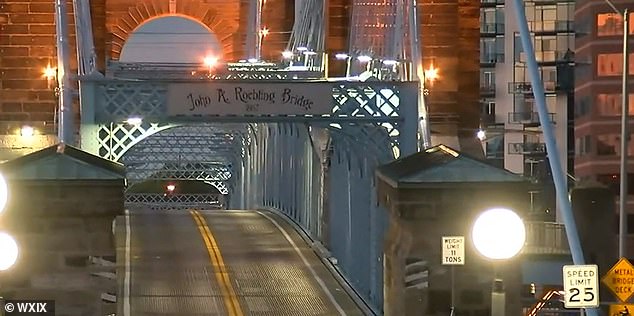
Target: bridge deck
<point>221,263</point>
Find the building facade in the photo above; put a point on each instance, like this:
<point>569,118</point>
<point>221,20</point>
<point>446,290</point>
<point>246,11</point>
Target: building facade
<point>599,57</point>
<point>513,136</point>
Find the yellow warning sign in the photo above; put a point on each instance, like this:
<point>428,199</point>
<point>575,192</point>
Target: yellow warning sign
<point>620,279</point>
<point>621,309</point>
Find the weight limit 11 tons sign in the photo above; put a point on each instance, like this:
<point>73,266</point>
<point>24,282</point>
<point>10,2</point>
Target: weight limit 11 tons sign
<point>453,250</point>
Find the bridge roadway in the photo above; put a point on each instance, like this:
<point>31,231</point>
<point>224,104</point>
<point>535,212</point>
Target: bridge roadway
<point>220,262</point>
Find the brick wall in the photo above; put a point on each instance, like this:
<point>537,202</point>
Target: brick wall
<point>450,36</point>
<point>27,45</point>
<point>27,41</point>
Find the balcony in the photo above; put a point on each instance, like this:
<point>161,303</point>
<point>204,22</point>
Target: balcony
<point>491,29</point>
<point>491,2</point>
<point>526,148</point>
<point>546,238</point>
<point>553,26</point>
<point>487,119</point>
<point>491,57</point>
<point>487,88</point>
<point>527,88</point>
<point>549,56</point>
<point>528,118</point>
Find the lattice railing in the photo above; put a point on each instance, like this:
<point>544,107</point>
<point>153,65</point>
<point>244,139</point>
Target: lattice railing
<point>156,198</point>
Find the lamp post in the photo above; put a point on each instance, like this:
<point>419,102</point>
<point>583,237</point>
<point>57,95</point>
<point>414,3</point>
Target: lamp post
<point>625,109</point>
<point>498,234</point>
<point>8,246</point>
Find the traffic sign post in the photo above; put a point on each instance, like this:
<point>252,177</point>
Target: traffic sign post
<point>453,250</point>
<point>453,255</point>
<point>620,280</point>
<point>581,286</point>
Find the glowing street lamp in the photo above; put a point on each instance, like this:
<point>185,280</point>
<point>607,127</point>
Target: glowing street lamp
<point>49,73</point>
<point>364,58</point>
<point>481,134</point>
<point>8,251</point>
<point>136,121</point>
<point>171,188</point>
<point>27,131</point>
<point>287,54</point>
<point>498,234</point>
<point>210,62</point>
<point>4,193</point>
<point>431,73</point>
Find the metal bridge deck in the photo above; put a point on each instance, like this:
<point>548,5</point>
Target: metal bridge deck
<point>221,263</point>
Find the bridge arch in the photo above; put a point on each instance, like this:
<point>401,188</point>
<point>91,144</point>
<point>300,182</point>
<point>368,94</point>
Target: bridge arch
<point>194,10</point>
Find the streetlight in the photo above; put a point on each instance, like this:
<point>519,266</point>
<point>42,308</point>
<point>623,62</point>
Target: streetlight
<point>431,73</point>
<point>210,62</point>
<point>27,131</point>
<point>498,234</point>
<point>4,193</point>
<point>625,109</point>
<point>8,251</point>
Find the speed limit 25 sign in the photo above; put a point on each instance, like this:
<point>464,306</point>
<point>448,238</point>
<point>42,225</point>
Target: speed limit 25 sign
<point>581,286</point>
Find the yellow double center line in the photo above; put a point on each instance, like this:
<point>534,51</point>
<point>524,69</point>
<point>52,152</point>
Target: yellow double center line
<point>222,276</point>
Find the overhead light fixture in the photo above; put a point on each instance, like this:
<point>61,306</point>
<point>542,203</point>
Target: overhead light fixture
<point>364,58</point>
<point>27,131</point>
<point>390,62</point>
<point>302,48</point>
<point>49,72</point>
<point>310,53</point>
<point>134,121</point>
<point>210,61</point>
<point>341,56</point>
<point>481,135</point>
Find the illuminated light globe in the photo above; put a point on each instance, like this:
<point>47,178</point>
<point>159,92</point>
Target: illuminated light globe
<point>8,251</point>
<point>4,193</point>
<point>498,233</point>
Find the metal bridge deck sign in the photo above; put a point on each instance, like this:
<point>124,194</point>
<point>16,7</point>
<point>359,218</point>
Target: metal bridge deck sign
<point>453,250</point>
<point>581,286</point>
<point>620,279</point>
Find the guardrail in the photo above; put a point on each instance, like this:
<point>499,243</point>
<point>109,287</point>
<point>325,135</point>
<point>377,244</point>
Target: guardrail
<point>546,238</point>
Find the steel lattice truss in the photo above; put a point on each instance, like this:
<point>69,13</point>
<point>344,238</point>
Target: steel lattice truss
<point>176,202</point>
<point>370,113</point>
<point>115,139</point>
<point>196,152</point>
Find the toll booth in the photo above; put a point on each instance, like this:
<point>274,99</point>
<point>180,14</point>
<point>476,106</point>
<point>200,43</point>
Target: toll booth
<point>433,194</point>
<point>61,209</point>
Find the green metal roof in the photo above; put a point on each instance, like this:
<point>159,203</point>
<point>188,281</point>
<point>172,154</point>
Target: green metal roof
<point>441,164</point>
<point>62,162</point>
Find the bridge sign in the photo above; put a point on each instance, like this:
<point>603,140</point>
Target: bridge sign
<point>620,279</point>
<point>453,250</point>
<point>249,98</point>
<point>581,286</point>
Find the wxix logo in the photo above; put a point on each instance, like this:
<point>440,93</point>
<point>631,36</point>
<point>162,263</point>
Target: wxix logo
<point>29,307</point>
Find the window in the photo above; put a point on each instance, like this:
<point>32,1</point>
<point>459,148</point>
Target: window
<point>611,24</point>
<point>607,144</point>
<point>613,182</point>
<point>582,106</point>
<point>610,145</point>
<point>583,145</point>
<point>612,64</point>
<point>610,104</point>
